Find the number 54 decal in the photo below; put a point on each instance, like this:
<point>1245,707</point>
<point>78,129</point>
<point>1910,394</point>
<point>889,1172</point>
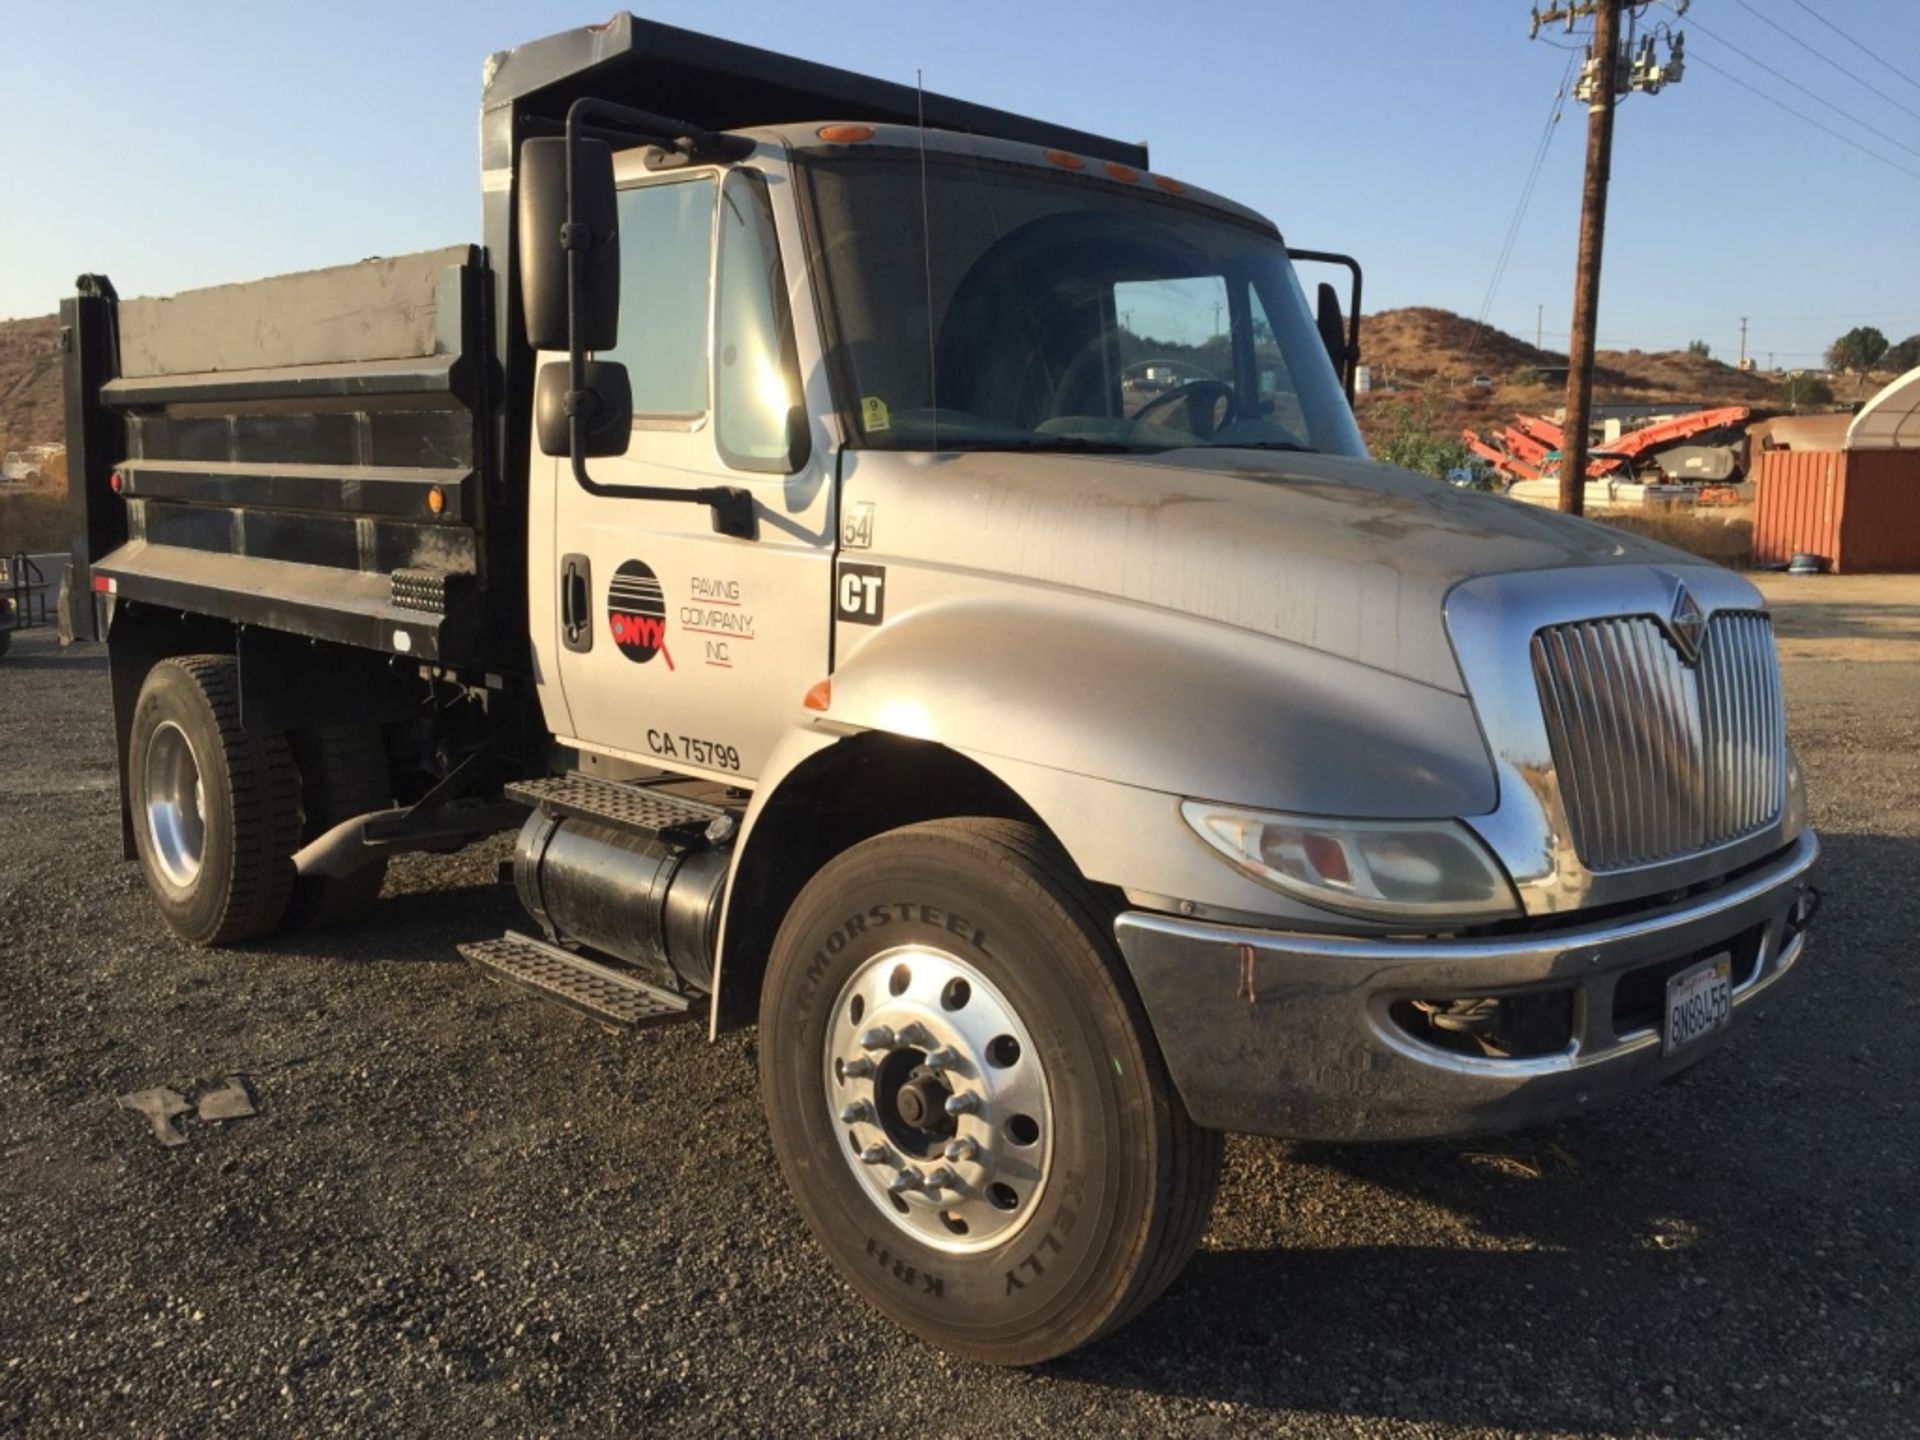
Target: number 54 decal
<point>860,596</point>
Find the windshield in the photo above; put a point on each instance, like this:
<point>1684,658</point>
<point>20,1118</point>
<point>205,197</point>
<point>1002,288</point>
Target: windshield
<point>1068,312</point>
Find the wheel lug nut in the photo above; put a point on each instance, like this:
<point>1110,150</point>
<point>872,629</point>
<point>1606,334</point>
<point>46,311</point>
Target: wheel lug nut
<point>944,1058</point>
<point>858,1069</point>
<point>856,1113</point>
<point>917,1036</point>
<point>875,1155</point>
<point>965,1103</point>
<point>940,1178</point>
<point>962,1150</point>
<point>903,1181</point>
<point>877,1038</point>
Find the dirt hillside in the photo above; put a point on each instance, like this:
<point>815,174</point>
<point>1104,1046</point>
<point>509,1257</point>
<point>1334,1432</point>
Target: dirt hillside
<point>30,401</point>
<point>1422,343</point>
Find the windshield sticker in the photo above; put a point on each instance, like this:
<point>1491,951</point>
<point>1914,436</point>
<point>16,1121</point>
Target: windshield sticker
<point>862,594</point>
<point>637,613</point>
<point>856,530</point>
<point>873,413</point>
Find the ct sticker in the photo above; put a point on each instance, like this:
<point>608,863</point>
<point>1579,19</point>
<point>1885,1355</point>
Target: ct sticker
<point>637,613</point>
<point>862,593</point>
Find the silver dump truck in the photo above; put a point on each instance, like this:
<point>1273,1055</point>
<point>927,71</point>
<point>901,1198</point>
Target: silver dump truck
<point>910,573</point>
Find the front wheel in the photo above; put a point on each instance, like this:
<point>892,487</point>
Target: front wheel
<point>966,1099</point>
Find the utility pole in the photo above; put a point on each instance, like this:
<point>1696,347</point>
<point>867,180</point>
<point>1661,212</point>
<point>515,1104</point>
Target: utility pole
<point>1743,342</point>
<point>1611,69</point>
<point>1539,319</point>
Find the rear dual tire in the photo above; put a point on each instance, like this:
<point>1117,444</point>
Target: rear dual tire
<point>219,811</point>
<point>215,808</point>
<point>1103,1180</point>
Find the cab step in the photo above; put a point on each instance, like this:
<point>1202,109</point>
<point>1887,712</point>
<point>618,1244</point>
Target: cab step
<point>641,809</point>
<point>612,997</point>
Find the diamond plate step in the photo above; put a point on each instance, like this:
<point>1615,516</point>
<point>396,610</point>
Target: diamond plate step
<point>629,807</point>
<point>610,996</point>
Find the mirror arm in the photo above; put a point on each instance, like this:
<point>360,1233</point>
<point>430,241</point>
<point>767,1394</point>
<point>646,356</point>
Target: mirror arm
<point>1350,368</point>
<point>732,506</point>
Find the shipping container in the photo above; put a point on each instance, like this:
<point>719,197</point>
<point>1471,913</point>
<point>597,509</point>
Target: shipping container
<point>1859,510</point>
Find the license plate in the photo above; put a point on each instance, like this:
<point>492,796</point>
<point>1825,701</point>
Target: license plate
<point>1699,1002</point>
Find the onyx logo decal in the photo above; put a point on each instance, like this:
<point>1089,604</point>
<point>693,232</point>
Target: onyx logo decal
<point>637,613</point>
<point>861,595</point>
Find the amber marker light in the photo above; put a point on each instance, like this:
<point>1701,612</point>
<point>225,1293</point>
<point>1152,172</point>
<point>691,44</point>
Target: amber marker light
<point>820,696</point>
<point>1066,160</point>
<point>1116,171</point>
<point>845,134</point>
<point>436,500</point>
<point>1169,184</point>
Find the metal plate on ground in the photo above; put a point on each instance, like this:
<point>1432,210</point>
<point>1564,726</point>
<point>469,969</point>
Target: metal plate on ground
<point>1699,1003</point>
<point>595,990</point>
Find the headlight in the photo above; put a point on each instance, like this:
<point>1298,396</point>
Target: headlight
<point>1425,870</point>
<point>1795,818</point>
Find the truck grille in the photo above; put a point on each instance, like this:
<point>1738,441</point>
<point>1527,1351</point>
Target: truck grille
<point>1657,758</point>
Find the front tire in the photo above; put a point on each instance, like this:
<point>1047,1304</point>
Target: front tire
<point>1065,1186</point>
<point>215,808</point>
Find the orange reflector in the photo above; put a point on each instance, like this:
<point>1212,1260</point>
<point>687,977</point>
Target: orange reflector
<point>1169,184</point>
<point>1066,160</point>
<point>820,696</point>
<point>845,134</point>
<point>1121,172</point>
<point>436,499</point>
<point>114,482</point>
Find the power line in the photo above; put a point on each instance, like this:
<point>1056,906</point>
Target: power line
<point>1802,115</point>
<point>1785,79</point>
<point>1541,148</point>
<point>1852,75</point>
<point>1864,50</point>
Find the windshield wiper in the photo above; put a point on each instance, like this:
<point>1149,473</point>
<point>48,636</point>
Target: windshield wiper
<point>1066,444</point>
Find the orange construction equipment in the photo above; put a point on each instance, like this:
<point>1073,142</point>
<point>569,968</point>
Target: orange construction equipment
<point>1529,448</point>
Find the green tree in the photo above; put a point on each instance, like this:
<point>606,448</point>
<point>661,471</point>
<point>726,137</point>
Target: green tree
<point>1904,356</point>
<point>1419,436</point>
<point>1801,391</point>
<point>1857,352</point>
<point>1700,348</point>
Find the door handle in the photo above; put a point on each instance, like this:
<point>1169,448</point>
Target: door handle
<point>576,603</point>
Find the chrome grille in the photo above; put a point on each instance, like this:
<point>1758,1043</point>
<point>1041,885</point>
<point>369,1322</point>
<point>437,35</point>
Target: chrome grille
<point>1657,758</point>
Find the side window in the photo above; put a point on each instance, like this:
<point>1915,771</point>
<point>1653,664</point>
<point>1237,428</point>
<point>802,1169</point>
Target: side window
<point>755,364</point>
<point>1279,400</point>
<point>666,243</point>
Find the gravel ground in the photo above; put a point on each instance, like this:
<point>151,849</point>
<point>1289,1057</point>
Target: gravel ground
<point>460,1210</point>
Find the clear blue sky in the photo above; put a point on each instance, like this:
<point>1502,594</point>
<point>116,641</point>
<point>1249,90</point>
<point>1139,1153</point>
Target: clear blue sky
<point>174,145</point>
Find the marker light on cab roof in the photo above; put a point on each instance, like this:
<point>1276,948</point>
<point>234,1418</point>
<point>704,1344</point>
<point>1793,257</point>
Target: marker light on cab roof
<point>845,134</point>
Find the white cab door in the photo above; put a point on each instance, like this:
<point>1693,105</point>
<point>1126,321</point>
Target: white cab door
<point>700,646</point>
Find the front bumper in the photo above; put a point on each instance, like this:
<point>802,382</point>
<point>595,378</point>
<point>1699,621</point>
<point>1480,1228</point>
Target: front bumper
<point>1306,1036</point>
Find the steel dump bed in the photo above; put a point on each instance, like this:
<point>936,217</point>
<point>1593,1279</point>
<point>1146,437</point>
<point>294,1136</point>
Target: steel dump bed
<point>302,453</point>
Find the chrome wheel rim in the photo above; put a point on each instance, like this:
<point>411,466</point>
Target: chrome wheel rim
<point>176,801</point>
<point>940,1099</point>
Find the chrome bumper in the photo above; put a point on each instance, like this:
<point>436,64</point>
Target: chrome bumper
<point>1297,1035</point>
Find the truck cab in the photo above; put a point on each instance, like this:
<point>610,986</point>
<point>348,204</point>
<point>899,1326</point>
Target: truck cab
<point>909,575</point>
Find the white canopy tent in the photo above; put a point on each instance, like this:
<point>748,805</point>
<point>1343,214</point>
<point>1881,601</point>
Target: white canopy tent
<point>1891,419</point>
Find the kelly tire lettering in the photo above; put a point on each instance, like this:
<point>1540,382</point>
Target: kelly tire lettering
<point>1125,1195</point>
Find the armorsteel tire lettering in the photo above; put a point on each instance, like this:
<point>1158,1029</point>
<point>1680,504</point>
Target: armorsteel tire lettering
<point>1132,1177</point>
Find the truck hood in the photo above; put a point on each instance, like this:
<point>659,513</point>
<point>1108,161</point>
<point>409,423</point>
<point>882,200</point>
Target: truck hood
<point>1345,556</point>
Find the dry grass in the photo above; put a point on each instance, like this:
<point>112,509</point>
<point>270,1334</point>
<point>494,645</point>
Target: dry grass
<point>1712,535</point>
<point>33,520</point>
